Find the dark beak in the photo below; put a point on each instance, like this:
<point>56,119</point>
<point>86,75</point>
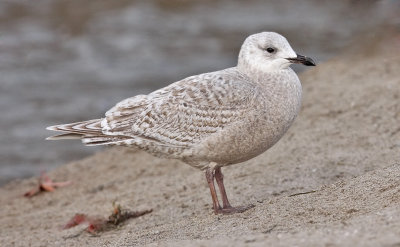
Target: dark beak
<point>302,59</point>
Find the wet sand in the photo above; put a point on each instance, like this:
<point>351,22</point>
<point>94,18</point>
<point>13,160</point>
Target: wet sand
<point>344,146</point>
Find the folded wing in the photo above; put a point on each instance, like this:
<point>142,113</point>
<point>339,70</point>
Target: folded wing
<point>173,118</point>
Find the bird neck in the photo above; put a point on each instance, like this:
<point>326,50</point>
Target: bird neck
<point>259,70</point>
<point>258,66</point>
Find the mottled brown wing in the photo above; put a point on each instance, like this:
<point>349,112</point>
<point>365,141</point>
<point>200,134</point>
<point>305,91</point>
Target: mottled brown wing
<point>183,113</point>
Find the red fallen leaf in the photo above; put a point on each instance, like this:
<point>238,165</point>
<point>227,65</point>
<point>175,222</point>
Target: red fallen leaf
<point>96,225</point>
<point>45,184</point>
<point>76,220</point>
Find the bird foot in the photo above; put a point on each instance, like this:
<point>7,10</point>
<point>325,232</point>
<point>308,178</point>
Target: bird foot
<point>233,210</point>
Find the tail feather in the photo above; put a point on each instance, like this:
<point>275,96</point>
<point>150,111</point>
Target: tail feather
<point>103,140</point>
<point>65,136</point>
<point>85,127</point>
<point>90,132</point>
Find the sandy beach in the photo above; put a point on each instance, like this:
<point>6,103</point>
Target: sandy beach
<point>343,149</point>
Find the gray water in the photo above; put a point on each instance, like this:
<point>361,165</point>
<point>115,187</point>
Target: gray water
<point>71,60</point>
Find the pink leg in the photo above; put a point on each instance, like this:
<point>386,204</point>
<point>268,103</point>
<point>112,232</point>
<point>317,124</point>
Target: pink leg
<point>219,177</point>
<point>210,181</point>
<point>227,208</point>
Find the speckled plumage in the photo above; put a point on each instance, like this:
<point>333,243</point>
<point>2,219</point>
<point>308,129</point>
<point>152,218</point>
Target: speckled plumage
<point>208,120</point>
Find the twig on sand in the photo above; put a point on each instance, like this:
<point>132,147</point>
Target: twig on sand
<point>99,224</point>
<point>45,184</point>
<point>302,193</point>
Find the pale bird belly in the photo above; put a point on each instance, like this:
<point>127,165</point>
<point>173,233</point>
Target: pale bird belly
<point>246,139</point>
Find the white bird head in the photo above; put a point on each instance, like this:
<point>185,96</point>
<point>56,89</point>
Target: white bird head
<point>268,52</point>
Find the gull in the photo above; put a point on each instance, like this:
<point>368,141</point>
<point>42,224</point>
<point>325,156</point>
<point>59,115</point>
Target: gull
<point>210,120</point>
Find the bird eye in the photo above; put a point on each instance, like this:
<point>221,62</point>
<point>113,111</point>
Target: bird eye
<point>270,50</point>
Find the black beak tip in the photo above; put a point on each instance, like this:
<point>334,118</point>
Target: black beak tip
<point>309,62</point>
<point>303,60</point>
